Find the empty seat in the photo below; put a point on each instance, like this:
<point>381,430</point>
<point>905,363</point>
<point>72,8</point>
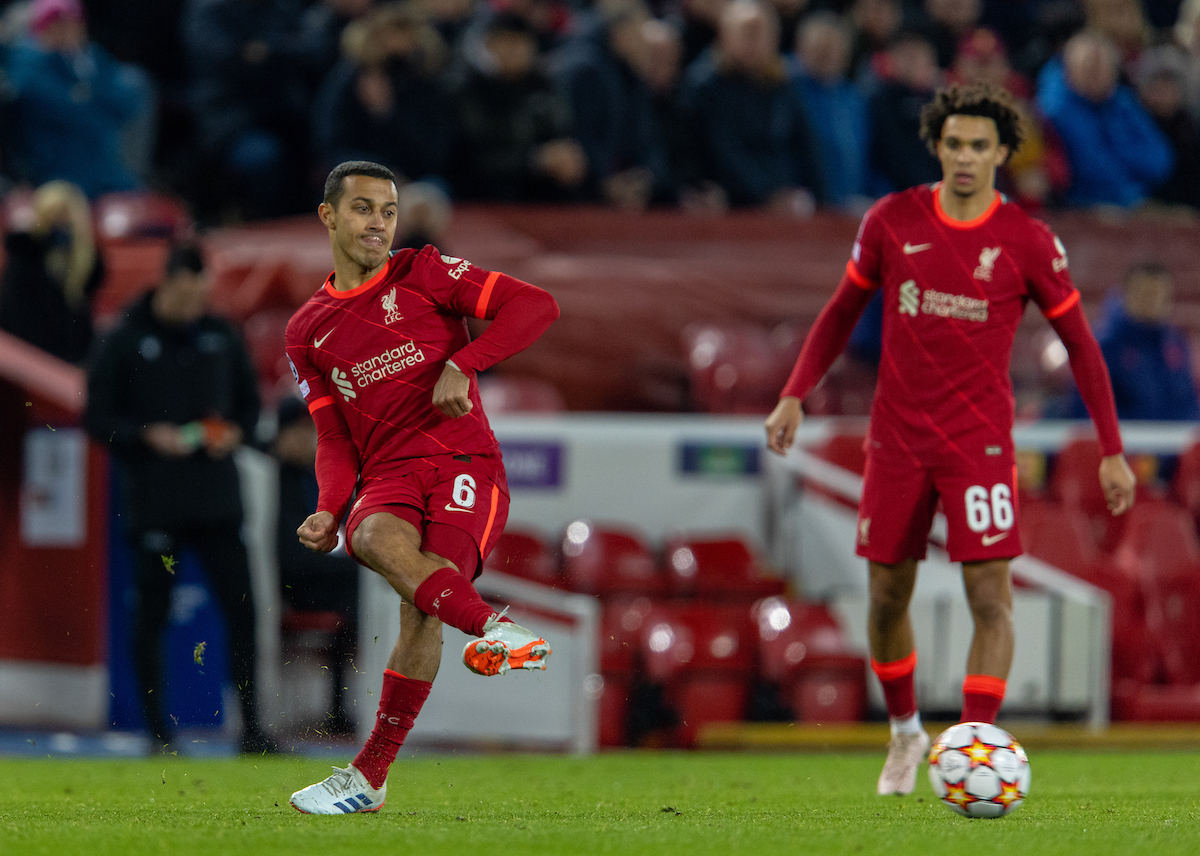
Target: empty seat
<point>141,214</point>
<point>703,656</point>
<point>804,653</point>
<point>845,450</point>
<point>1057,534</point>
<point>263,333</point>
<point>523,553</point>
<point>717,566</point>
<point>738,368</point>
<point>604,559</point>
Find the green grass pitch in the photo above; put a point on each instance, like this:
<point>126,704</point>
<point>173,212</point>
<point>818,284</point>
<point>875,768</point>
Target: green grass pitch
<point>620,803</point>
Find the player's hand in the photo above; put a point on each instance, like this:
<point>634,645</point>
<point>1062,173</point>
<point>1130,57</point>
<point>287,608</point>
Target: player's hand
<point>782,424</point>
<point>451,393</point>
<point>319,532</point>
<point>1118,483</point>
<point>167,439</point>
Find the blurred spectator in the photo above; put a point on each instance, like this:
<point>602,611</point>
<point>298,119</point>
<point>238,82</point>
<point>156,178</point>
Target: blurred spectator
<point>836,106</point>
<point>755,140</point>
<point>171,391</point>
<point>1161,85</point>
<point>1123,23</point>
<point>512,135</point>
<point>790,14</point>
<point>876,23</point>
<point>1055,21</point>
<point>600,70</point>
<point>662,68</point>
<point>1038,173</point>
<point>247,64</point>
<point>1187,36</point>
<point>321,29</point>
<point>1117,153</point>
<point>52,272</point>
<point>423,214</point>
<point>1147,356</point>
<point>77,114</point>
<point>909,75</point>
<point>697,21</point>
<point>948,22</point>
<point>308,580</point>
<point>384,101</point>
<point>451,19</point>
<point>550,21</point>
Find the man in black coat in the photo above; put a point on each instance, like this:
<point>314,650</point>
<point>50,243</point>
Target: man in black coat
<point>172,392</point>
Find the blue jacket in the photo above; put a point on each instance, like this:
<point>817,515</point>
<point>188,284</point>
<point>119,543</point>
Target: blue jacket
<point>838,112</point>
<point>68,113</point>
<point>1150,366</point>
<point>1117,153</point>
<point>754,137</point>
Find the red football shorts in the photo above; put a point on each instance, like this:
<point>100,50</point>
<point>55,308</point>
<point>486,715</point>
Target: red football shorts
<point>459,504</point>
<point>979,500</point>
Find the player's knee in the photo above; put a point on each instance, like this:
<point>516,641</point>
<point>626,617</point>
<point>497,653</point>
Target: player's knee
<point>991,612</point>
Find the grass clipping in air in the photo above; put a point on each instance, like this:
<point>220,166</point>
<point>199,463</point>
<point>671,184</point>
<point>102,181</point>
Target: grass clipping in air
<point>619,803</point>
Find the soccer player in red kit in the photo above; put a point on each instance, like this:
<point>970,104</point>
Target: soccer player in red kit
<point>383,358</point>
<point>957,263</point>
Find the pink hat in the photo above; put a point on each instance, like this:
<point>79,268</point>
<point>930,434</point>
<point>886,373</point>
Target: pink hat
<point>43,13</point>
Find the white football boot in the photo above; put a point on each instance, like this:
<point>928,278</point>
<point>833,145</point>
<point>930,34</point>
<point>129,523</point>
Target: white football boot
<point>345,792</point>
<point>906,751</point>
<point>505,646</point>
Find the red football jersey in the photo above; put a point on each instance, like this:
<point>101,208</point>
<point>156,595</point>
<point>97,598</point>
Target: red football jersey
<point>953,295</point>
<point>375,353</point>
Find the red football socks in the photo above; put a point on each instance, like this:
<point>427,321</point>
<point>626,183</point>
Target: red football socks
<point>896,678</point>
<point>399,704</point>
<point>982,696</point>
<point>449,596</point>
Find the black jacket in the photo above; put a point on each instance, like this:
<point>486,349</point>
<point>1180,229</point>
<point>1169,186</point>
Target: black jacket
<point>33,306</point>
<point>145,372</point>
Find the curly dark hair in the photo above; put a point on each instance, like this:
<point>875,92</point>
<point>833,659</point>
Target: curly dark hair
<point>976,99</point>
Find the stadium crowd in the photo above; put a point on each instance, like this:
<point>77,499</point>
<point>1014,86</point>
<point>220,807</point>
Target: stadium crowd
<point>242,106</point>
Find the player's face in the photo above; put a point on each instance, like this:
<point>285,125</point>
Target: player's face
<point>970,151</point>
<point>364,222</point>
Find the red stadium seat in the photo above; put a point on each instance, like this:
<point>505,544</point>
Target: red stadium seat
<point>604,560</point>
<point>845,450</point>
<point>1057,534</point>
<point>803,651</point>
<point>738,368</point>
<point>622,620</point>
<point>704,657</point>
<point>141,214</point>
<point>263,333</point>
<point>1185,486</point>
<point>523,553</point>
<point>725,567</point>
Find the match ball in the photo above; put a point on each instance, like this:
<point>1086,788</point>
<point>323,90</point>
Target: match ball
<point>979,770</point>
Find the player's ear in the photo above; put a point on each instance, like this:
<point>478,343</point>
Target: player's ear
<point>1002,153</point>
<point>326,213</point>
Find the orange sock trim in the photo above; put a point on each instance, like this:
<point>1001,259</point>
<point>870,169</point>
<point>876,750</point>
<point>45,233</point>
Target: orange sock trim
<point>896,668</point>
<point>985,684</point>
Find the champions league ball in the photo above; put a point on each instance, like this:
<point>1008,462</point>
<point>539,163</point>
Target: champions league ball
<point>978,770</point>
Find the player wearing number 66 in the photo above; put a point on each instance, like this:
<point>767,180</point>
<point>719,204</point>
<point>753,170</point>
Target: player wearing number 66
<point>382,355</point>
<point>956,263</point>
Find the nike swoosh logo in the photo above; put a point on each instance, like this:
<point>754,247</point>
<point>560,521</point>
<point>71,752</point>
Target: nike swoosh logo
<point>909,249</point>
<point>989,540</point>
<point>467,510</point>
<point>319,342</point>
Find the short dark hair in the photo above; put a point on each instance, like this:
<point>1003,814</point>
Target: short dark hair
<point>334,186</point>
<point>975,99</point>
<point>184,256</point>
<point>1145,269</point>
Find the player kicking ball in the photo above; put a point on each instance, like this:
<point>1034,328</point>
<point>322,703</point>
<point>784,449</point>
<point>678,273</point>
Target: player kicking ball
<point>383,358</point>
<point>957,263</point>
